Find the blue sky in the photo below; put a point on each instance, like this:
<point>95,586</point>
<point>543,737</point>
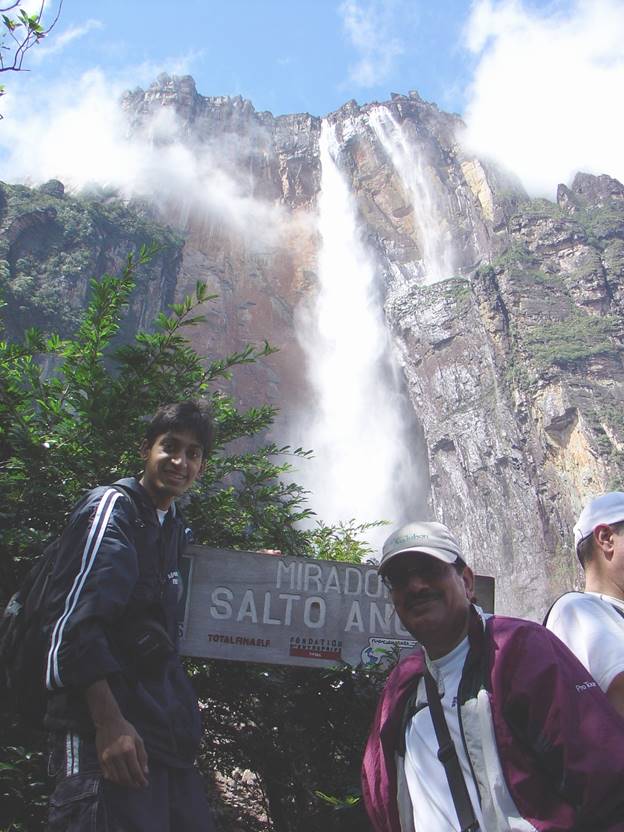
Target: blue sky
<point>285,55</point>
<point>538,82</point>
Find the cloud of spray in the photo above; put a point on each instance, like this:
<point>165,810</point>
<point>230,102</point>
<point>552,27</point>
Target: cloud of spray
<point>545,99</point>
<point>356,428</point>
<point>81,136</point>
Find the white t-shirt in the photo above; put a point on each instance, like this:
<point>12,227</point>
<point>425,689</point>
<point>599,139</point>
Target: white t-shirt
<point>432,802</point>
<point>162,513</point>
<point>587,623</point>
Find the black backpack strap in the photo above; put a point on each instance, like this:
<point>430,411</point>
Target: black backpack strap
<point>571,592</point>
<point>618,610</point>
<point>409,711</point>
<point>127,492</point>
<point>447,755</point>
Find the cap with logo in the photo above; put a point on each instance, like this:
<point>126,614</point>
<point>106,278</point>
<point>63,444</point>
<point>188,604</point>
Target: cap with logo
<point>605,509</point>
<point>428,538</point>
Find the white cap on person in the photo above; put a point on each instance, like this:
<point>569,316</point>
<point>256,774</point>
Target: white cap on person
<point>428,538</point>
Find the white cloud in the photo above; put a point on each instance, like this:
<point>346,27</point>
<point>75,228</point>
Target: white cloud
<point>58,42</point>
<point>545,99</point>
<point>78,133</point>
<point>29,6</point>
<point>369,28</point>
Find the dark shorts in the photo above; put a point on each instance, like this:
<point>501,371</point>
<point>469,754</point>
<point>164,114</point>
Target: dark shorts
<point>82,801</point>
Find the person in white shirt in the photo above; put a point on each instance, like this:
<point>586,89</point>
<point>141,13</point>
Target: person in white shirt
<point>591,623</point>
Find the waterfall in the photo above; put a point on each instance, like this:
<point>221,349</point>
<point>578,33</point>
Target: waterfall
<point>363,463</point>
<point>428,212</point>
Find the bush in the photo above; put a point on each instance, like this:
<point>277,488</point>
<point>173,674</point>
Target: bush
<point>578,337</point>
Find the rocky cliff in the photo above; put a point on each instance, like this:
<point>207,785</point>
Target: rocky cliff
<point>505,312</point>
<point>52,243</point>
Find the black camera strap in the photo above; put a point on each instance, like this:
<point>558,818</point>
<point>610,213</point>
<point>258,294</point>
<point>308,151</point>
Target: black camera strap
<point>447,755</point>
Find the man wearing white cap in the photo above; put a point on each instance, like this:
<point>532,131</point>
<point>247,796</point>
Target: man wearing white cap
<point>493,725</point>
<point>592,623</point>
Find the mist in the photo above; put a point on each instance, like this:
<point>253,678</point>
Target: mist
<point>82,137</point>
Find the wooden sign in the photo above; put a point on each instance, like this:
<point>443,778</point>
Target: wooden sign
<point>253,607</point>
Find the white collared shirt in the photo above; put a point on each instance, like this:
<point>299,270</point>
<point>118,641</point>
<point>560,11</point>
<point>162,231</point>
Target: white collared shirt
<point>432,802</point>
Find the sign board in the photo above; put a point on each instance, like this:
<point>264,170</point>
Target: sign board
<point>253,607</point>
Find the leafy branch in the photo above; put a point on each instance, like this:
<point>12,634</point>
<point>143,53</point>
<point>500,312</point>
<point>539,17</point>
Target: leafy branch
<point>21,31</point>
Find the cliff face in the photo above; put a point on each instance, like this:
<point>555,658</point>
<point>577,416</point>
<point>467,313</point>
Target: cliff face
<point>51,244</point>
<point>505,313</point>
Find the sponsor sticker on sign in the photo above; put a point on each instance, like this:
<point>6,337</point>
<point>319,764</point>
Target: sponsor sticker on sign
<point>316,648</point>
<point>382,649</point>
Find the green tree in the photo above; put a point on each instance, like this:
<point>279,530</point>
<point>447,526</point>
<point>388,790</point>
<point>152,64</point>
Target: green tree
<point>71,414</point>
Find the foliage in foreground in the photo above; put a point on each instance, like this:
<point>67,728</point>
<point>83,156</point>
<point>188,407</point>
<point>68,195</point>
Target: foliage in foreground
<point>71,414</point>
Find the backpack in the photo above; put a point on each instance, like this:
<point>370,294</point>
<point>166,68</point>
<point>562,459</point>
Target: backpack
<point>24,637</point>
<point>23,642</point>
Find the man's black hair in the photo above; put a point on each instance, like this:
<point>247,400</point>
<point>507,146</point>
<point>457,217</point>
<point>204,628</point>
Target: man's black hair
<point>192,416</point>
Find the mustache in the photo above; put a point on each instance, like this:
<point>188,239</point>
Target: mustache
<point>415,598</point>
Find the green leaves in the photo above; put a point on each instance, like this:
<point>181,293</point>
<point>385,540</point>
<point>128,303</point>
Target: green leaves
<point>71,416</point>
<point>337,803</point>
<point>30,22</point>
<point>341,542</point>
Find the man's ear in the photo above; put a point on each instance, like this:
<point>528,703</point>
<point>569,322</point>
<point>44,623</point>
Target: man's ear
<point>603,535</point>
<point>468,580</point>
<point>144,449</point>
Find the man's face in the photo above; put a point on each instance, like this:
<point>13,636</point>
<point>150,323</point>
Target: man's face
<point>432,600</point>
<point>172,464</point>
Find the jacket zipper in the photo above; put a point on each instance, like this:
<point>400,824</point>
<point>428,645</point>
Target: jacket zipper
<point>162,578</point>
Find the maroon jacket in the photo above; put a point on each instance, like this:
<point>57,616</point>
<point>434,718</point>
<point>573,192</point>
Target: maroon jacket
<point>546,746</point>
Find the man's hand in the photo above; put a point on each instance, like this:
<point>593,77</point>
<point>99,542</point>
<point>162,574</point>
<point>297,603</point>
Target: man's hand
<point>121,754</point>
<point>119,747</point>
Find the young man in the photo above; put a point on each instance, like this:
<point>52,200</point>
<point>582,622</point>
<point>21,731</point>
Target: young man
<point>123,718</point>
<point>538,745</point>
<point>592,623</point>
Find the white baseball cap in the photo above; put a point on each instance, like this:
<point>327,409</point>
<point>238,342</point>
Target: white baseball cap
<point>605,509</point>
<point>421,538</point>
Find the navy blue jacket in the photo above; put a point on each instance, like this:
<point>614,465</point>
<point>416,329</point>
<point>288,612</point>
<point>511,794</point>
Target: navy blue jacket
<point>118,566</point>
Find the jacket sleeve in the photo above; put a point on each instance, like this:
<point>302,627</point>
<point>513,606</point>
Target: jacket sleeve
<point>557,710</point>
<point>96,572</point>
